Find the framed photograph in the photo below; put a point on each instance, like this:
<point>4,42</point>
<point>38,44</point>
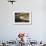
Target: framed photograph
<point>22,17</point>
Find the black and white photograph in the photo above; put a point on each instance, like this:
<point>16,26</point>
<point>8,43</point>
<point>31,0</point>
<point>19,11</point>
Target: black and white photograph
<point>21,17</point>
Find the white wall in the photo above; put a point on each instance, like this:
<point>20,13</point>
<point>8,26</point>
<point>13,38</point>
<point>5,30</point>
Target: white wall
<point>9,31</point>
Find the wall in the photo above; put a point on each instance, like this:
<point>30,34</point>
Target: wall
<point>9,31</point>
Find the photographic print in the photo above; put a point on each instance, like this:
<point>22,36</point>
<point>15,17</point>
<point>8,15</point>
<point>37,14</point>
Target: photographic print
<point>22,17</point>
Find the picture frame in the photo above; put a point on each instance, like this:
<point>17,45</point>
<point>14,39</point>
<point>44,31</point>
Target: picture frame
<point>25,20</point>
